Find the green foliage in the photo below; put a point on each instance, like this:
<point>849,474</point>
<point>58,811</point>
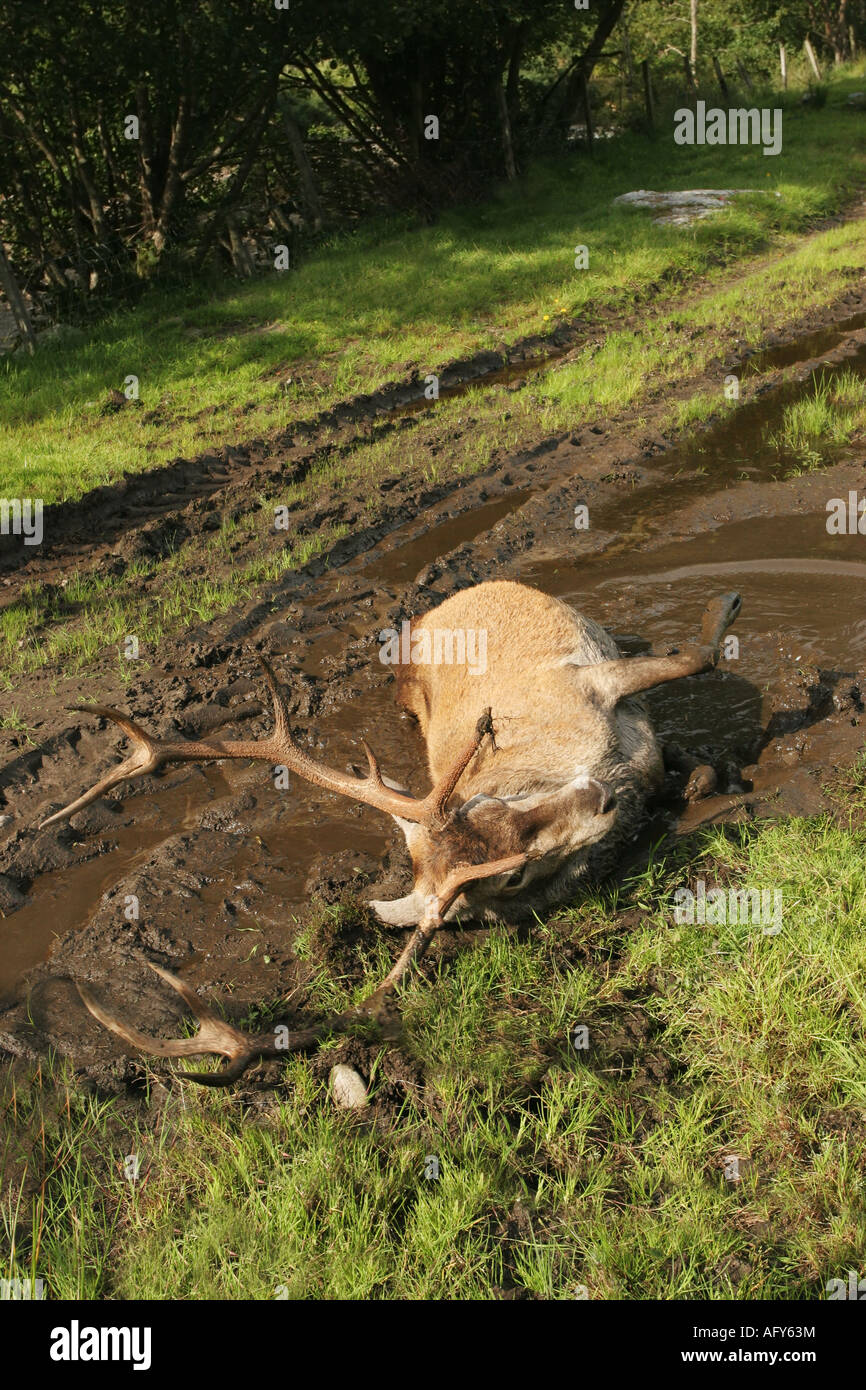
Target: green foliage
<point>140,137</point>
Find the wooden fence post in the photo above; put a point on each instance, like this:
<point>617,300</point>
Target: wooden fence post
<point>810,54</point>
<point>745,78</point>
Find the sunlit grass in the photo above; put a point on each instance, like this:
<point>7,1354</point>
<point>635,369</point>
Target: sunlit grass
<point>395,300</point>
<point>832,414</point>
<point>563,1171</point>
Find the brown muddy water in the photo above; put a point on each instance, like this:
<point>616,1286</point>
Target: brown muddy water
<point>669,548</point>
<point>811,345</point>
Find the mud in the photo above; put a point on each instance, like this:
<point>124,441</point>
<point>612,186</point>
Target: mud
<point>212,871</point>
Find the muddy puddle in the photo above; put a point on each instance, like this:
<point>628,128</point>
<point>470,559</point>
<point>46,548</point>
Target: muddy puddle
<point>405,558</point>
<point>741,448</point>
<point>277,837</point>
<point>60,900</point>
<point>804,606</point>
<point>803,625</point>
<point>811,345</point>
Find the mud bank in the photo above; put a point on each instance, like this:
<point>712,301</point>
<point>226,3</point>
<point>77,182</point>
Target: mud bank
<point>211,871</point>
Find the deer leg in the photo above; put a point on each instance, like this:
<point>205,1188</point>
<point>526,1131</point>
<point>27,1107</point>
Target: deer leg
<point>612,681</point>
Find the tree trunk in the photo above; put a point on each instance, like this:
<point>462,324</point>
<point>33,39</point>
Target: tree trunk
<point>587,114</point>
<point>582,67</point>
<point>648,95</point>
<point>309,192</point>
<point>172,182</point>
<point>693,49</point>
<point>241,258</point>
<point>17,302</point>
<point>628,63</point>
<point>512,87</point>
<point>505,129</point>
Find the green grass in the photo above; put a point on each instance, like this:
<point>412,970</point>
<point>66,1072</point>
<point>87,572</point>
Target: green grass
<point>560,1170</point>
<point>629,369</point>
<point>212,361</point>
<point>95,613</point>
<point>833,414</point>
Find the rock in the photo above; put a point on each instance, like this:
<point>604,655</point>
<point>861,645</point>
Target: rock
<point>347,1088</point>
<point>857,100</point>
<point>281,637</point>
<point>681,206</point>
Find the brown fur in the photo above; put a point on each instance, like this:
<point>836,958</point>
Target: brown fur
<point>573,744</point>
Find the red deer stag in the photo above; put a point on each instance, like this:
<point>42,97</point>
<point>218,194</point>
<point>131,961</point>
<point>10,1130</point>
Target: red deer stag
<point>553,779</point>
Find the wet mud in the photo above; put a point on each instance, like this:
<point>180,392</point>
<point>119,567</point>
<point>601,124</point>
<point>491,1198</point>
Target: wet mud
<point>214,872</point>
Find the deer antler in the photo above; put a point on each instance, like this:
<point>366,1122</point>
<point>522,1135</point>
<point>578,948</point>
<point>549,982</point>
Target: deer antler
<point>280,748</point>
<point>243,1049</point>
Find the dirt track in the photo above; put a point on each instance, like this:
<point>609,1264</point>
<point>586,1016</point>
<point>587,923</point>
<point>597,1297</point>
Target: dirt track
<point>222,864</point>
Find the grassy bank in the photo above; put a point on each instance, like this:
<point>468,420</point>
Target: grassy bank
<point>215,364</point>
<point>657,369</point>
<point>604,1172</point>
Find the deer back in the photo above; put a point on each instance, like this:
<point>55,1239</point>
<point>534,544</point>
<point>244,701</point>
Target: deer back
<point>527,649</point>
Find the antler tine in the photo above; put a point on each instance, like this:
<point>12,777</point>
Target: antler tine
<point>215,1036</point>
<point>145,758</point>
<point>437,800</point>
<point>280,747</point>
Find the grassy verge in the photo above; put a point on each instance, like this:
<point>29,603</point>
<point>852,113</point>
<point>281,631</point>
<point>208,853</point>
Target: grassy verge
<point>213,363</point>
<point>647,368</point>
<point>708,1142</point>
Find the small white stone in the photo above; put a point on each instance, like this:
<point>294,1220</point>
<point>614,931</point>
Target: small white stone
<point>347,1088</point>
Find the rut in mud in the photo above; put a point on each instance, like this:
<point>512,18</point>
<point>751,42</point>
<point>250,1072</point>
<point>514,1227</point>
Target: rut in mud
<point>209,869</point>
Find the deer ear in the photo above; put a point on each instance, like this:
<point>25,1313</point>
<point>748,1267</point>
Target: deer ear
<point>402,912</point>
<point>409,828</point>
<point>600,796</point>
<point>561,813</point>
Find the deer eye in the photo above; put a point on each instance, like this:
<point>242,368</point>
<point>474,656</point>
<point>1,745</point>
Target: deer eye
<point>515,880</point>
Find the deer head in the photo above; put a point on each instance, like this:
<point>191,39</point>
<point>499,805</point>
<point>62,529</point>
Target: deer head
<point>537,831</point>
<point>471,857</point>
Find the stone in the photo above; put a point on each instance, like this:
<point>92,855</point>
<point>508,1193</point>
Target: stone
<point>347,1088</point>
